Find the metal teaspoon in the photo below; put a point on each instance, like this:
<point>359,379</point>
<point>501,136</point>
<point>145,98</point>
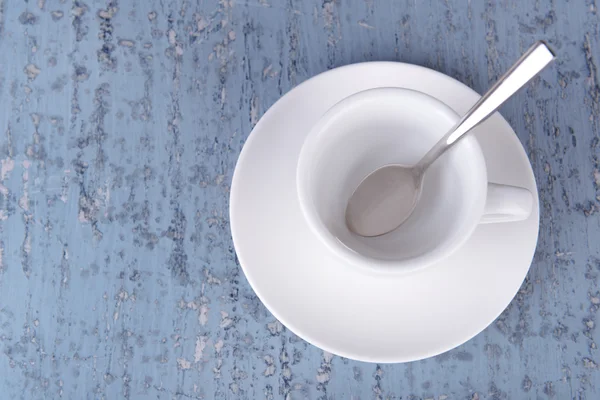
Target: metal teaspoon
<point>388,196</point>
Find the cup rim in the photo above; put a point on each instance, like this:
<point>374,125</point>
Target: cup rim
<point>368,263</point>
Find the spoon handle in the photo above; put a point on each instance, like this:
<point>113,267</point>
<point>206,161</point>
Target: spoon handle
<point>528,66</point>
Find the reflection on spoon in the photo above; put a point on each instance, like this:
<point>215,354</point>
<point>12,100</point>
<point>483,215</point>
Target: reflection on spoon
<point>394,187</point>
<point>388,196</point>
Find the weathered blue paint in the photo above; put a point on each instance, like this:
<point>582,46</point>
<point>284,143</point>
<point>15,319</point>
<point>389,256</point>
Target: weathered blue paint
<point>121,122</point>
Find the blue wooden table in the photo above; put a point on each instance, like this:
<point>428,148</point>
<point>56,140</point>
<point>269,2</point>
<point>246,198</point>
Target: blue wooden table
<point>121,122</point>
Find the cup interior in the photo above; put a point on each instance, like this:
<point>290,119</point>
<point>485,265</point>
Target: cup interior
<point>391,126</point>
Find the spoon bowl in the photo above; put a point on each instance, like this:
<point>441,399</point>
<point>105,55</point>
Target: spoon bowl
<point>395,187</point>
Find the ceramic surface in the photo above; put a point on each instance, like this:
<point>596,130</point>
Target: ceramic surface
<point>316,293</point>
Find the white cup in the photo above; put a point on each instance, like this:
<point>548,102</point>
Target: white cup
<point>387,126</point>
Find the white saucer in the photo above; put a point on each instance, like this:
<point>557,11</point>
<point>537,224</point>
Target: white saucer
<point>348,311</point>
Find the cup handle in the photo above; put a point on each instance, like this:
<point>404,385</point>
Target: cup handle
<point>506,204</point>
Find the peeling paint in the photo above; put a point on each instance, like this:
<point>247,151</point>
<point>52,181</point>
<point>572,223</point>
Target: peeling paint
<point>6,166</point>
<point>32,71</point>
<point>201,343</point>
<point>182,363</point>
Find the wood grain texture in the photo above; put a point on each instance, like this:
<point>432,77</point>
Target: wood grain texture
<point>121,122</point>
